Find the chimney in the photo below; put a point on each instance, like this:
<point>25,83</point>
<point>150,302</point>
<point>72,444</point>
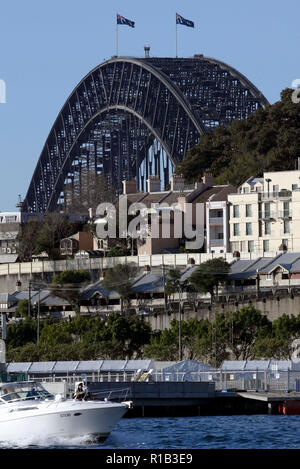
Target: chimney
<point>130,187</point>
<point>177,182</point>
<point>153,184</point>
<point>208,179</point>
<point>147,52</point>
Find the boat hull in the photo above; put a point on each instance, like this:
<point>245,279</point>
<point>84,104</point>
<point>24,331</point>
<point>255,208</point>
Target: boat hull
<point>62,420</point>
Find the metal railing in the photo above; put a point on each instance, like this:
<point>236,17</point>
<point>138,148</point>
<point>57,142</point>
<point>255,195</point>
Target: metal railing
<point>216,221</point>
<point>276,195</point>
<point>230,380</point>
<point>275,214</point>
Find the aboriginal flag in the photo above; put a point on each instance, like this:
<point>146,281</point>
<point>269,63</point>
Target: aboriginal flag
<point>181,20</point>
<point>122,20</point>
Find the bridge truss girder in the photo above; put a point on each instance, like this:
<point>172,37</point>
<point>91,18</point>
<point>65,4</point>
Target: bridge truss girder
<point>120,108</point>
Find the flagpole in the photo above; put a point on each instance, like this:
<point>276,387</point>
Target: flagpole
<point>176,34</point>
<point>117,38</point>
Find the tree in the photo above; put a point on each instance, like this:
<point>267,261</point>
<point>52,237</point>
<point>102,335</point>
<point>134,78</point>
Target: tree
<point>209,275</point>
<point>117,251</point>
<point>280,341</point>
<point>82,338</point>
<point>242,329</point>
<point>120,279</point>
<point>26,240</point>
<point>88,191</point>
<point>68,285</point>
<point>173,282</point>
<point>21,332</point>
<point>53,228</point>
<point>268,140</point>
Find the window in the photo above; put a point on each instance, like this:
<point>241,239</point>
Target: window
<point>267,228</point>
<point>267,209</point>
<point>266,245</point>
<point>285,242</point>
<point>248,229</point>
<point>236,229</point>
<point>286,209</point>
<point>269,277</point>
<point>250,246</point>
<point>286,226</point>
<point>236,211</point>
<point>248,210</point>
<point>294,187</point>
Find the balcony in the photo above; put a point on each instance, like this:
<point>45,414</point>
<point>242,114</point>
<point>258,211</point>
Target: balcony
<point>216,242</point>
<point>282,195</point>
<point>283,214</point>
<point>267,215</point>
<point>216,221</point>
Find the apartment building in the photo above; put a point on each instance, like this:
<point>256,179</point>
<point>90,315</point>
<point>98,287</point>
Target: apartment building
<point>265,214</point>
<point>209,213</point>
<point>10,230</point>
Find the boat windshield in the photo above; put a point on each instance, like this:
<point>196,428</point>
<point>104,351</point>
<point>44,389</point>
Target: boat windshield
<point>23,391</point>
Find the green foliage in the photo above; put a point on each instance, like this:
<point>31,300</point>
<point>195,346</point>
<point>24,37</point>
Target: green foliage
<point>120,279</point>
<point>75,277</point>
<point>244,334</point>
<point>82,338</point>
<point>68,284</point>
<point>172,283</point>
<point>53,228</point>
<point>117,251</point>
<point>45,235</point>
<point>209,275</point>
<point>22,308</point>
<point>20,333</point>
<point>268,140</point>
<point>278,343</point>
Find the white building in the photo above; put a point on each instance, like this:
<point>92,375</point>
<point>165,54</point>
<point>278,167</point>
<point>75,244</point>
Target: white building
<point>265,214</point>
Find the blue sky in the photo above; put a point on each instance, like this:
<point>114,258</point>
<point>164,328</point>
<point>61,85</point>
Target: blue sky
<point>48,46</point>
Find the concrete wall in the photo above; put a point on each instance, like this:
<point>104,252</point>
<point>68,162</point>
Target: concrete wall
<point>43,271</point>
<point>272,308</point>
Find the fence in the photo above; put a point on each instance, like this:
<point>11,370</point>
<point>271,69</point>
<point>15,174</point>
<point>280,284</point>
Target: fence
<point>258,380</point>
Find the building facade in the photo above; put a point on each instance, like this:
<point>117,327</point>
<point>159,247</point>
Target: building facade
<point>265,214</point>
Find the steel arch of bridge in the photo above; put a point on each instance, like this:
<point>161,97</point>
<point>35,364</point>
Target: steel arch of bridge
<point>113,115</point>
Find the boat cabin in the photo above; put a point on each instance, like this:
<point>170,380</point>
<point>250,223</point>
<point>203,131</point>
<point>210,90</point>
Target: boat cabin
<point>23,390</point>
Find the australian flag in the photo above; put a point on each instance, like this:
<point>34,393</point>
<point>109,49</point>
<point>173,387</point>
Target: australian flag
<point>181,20</point>
<point>122,20</point>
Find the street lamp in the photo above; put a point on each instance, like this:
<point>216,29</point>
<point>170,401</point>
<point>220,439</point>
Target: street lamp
<point>268,182</point>
<point>179,331</point>
<point>38,287</point>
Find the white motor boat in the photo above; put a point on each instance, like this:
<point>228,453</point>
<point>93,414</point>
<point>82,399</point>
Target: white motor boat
<point>27,409</point>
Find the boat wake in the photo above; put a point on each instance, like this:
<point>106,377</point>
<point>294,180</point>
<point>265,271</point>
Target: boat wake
<point>40,442</point>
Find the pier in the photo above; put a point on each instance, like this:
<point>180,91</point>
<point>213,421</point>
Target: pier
<point>177,399</point>
<point>281,402</point>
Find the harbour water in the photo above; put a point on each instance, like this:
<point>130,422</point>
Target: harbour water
<point>217,432</point>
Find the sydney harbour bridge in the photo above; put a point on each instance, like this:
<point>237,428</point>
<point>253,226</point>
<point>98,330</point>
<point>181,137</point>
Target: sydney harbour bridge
<point>136,117</point>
